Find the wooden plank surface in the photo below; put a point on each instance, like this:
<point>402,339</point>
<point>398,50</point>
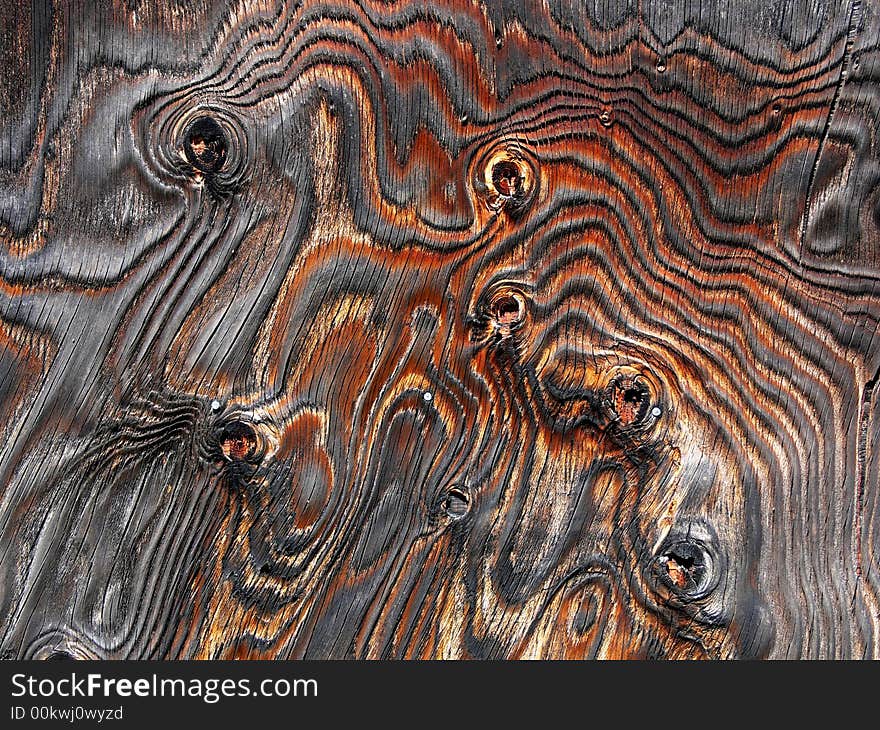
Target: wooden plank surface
<point>439,329</point>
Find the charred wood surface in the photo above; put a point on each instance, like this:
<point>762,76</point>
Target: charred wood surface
<point>439,329</point>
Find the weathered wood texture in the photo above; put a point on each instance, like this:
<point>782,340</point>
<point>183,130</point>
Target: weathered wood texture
<point>460,329</point>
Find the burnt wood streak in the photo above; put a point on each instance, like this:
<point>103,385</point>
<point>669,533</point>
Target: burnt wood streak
<point>464,328</point>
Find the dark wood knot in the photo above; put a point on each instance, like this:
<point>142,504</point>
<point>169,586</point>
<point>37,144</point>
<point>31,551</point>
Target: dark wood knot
<point>205,145</point>
<point>686,567</point>
<point>507,309</point>
<point>456,502</point>
<point>507,178</point>
<point>238,441</point>
<point>632,402</point>
<point>451,506</point>
<point>500,311</point>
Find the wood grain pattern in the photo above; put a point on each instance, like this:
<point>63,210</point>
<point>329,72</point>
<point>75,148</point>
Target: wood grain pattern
<point>469,328</point>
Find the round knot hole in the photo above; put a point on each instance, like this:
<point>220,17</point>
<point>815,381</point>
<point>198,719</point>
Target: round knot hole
<point>686,567</point>
<point>456,502</point>
<point>508,309</point>
<point>508,178</point>
<point>238,441</point>
<point>631,400</point>
<point>205,145</point>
